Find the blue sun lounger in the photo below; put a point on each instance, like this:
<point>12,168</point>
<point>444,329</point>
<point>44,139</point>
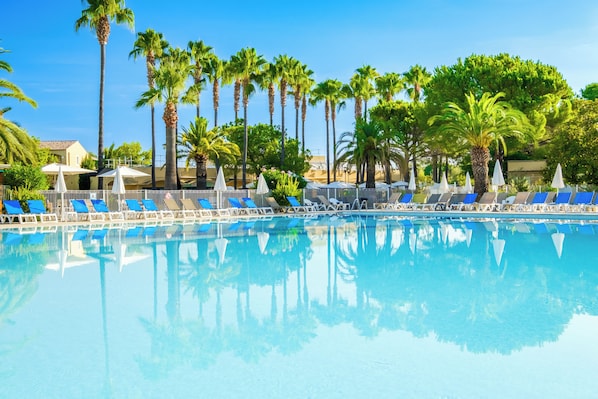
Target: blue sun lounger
<point>15,212</point>
<point>38,208</point>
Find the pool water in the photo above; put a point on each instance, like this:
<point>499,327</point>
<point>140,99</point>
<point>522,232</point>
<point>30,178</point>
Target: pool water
<point>326,307</point>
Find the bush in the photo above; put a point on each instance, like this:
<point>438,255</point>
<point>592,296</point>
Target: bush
<point>28,177</point>
<point>22,195</point>
<point>284,184</point>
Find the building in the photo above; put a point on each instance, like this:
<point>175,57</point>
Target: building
<point>69,152</point>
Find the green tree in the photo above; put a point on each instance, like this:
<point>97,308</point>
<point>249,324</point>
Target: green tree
<point>301,83</point>
<point>16,145</point>
<point>364,147</point>
<point>249,65</point>
<point>151,45</point>
<point>415,81</point>
<point>284,66</point>
<point>171,78</point>
<point>388,85</point>
<point>537,90</point>
<point>267,81</point>
<point>200,145</point>
<point>575,145</point>
<point>97,17</point>
<point>28,177</point>
<point>590,92</point>
<point>481,123</point>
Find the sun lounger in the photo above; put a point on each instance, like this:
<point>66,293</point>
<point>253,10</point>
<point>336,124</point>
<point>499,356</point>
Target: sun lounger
<point>205,204</point>
<point>38,208</point>
<point>538,203</point>
<point>317,206</point>
<point>275,205</point>
<point>178,212</point>
<point>81,212</point>
<point>429,204</point>
<point>329,205</point>
<point>261,209</point>
<point>560,203</point>
<point>297,207</point>
<point>14,211</point>
<point>581,201</point>
<point>467,203</point>
<point>100,206</point>
<point>340,204</point>
<point>239,209</point>
<point>417,201</point>
<point>402,203</point>
<point>443,201</point>
<point>136,211</point>
<point>392,200</point>
<point>150,205</point>
<point>486,203</point>
<point>189,206</point>
<point>520,199</point>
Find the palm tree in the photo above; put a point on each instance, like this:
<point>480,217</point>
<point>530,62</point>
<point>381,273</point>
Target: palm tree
<point>284,66</point>
<point>16,145</point>
<point>486,121</point>
<point>200,55</point>
<point>266,81</point>
<point>249,65</point>
<point>416,79</point>
<point>170,79</point>
<point>216,73</point>
<point>365,146</point>
<point>151,45</point>
<point>362,88</point>
<point>388,85</point>
<point>327,91</point>
<point>201,145</point>
<point>97,17</point>
<point>234,74</point>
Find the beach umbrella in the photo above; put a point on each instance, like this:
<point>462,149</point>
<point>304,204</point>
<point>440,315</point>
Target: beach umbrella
<point>557,180</point>
<point>398,184</point>
<point>55,168</point>
<point>118,187</point>
<point>497,178</point>
<point>377,185</point>
<point>124,172</point>
<point>411,185</point>
<point>468,187</point>
<point>262,185</point>
<point>339,184</point>
<point>60,188</point>
<point>220,185</point>
<point>444,187</point>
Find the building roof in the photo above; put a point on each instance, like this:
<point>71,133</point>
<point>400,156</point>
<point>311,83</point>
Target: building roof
<point>57,144</point>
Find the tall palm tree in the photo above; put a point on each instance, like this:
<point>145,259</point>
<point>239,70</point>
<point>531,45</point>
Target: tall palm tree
<point>301,82</point>
<point>486,121</point>
<point>249,66</point>
<point>366,76</point>
<point>216,73</point>
<point>416,79</point>
<point>151,45</point>
<point>234,74</point>
<point>327,92</point>
<point>97,17</point>
<point>201,144</point>
<point>284,66</point>
<point>200,56</point>
<point>266,81</point>
<point>388,85</point>
<point>170,78</point>
<point>306,89</point>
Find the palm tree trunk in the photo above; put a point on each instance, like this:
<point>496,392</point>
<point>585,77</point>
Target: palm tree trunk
<point>333,114</point>
<point>245,142</point>
<point>170,174</point>
<point>153,112</point>
<point>327,113</point>
<point>303,117</point>
<point>283,103</point>
<point>271,94</point>
<point>480,156</point>
<point>101,115</point>
<point>216,100</point>
<point>201,173</point>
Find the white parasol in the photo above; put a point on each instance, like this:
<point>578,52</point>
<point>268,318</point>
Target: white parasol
<point>497,178</point>
<point>557,180</point>
<point>444,187</point>
<point>262,185</point>
<point>468,187</point>
<point>118,187</point>
<point>220,186</point>
<point>412,185</point>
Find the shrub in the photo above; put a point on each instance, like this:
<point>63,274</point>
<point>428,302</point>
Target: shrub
<point>22,195</point>
<point>285,185</point>
<point>28,177</point>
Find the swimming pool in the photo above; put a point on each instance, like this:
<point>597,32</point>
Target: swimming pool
<point>328,307</point>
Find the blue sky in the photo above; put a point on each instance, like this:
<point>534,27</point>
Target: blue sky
<point>59,68</point>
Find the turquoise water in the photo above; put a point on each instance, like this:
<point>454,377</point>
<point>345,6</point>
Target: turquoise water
<point>330,307</point>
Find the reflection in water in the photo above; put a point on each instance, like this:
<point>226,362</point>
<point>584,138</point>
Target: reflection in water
<point>252,289</point>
